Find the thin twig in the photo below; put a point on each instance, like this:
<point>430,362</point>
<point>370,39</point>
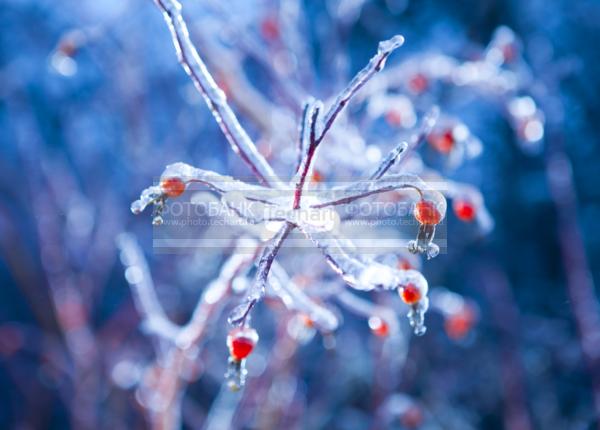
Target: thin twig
<point>215,98</point>
<point>375,65</point>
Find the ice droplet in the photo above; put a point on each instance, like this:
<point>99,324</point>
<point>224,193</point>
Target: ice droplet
<point>148,196</point>
<point>416,317</point>
<point>137,207</point>
<point>236,374</point>
<point>387,46</point>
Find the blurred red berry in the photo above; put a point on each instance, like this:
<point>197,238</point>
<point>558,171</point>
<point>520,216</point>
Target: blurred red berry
<point>307,321</point>
<point>404,265</point>
<point>443,142</point>
<point>509,52</point>
<point>393,118</point>
<point>418,83</point>
<point>317,177</point>
<point>270,28</point>
<point>464,210</point>
<point>458,324</point>
<point>379,327</point>
<point>412,417</point>
<point>172,187</point>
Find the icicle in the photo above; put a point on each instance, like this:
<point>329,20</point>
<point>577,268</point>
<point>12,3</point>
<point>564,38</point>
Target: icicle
<point>148,196</point>
<point>236,374</point>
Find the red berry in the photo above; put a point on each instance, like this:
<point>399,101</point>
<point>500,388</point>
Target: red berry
<point>270,28</point>
<point>404,265</point>
<point>393,118</point>
<point>307,321</point>
<point>411,294</point>
<point>418,83</point>
<point>317,177</point>
<point>443,142</point>
<point>458,324</point>
<point>426,213</point>
<point>67,47</point>
<point>509,52</point>
<point>172,187</point>
<point>379,327</point>
<point>464,210</point>
<point>241,342</point>
<point>412,417</point>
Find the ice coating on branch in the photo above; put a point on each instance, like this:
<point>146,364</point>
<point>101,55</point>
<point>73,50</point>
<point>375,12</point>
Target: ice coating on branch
<point>215,98</point>
<point>376,63</point>
<point>367,275</point>
<point>416,316</point>
<point>257,290</point>
<point>360,273</point>
<point>216,182</point>
<point>385,47</point>
<point>347,194</point>
<point>255,212</point>
<point>295,299</point>
<point>137,274</point>
<point>148,196</point>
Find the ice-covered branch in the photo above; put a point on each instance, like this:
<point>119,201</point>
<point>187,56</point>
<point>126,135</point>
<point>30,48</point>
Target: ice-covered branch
<point>189,174</point>
<point>139,278</point>
<point>295,299</point>
<point>258,288</point>
<point>375,65</point>
<point>359,273</point>
<point>216,292</point>
<point>308,147</point>
<point>361,189</point>
<point>154,318</point>
<point>367,309</point>
<point>366,275</point>
<point>215,98</point>
<point>399,150</point>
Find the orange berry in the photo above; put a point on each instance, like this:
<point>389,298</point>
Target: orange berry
<point>426,213</point>
<point>379,327</point>
<point>410,294</point>
<point>172,187</point>
<point>464,210</point>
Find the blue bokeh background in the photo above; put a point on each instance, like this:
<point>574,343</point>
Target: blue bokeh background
<point>86,143</point>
